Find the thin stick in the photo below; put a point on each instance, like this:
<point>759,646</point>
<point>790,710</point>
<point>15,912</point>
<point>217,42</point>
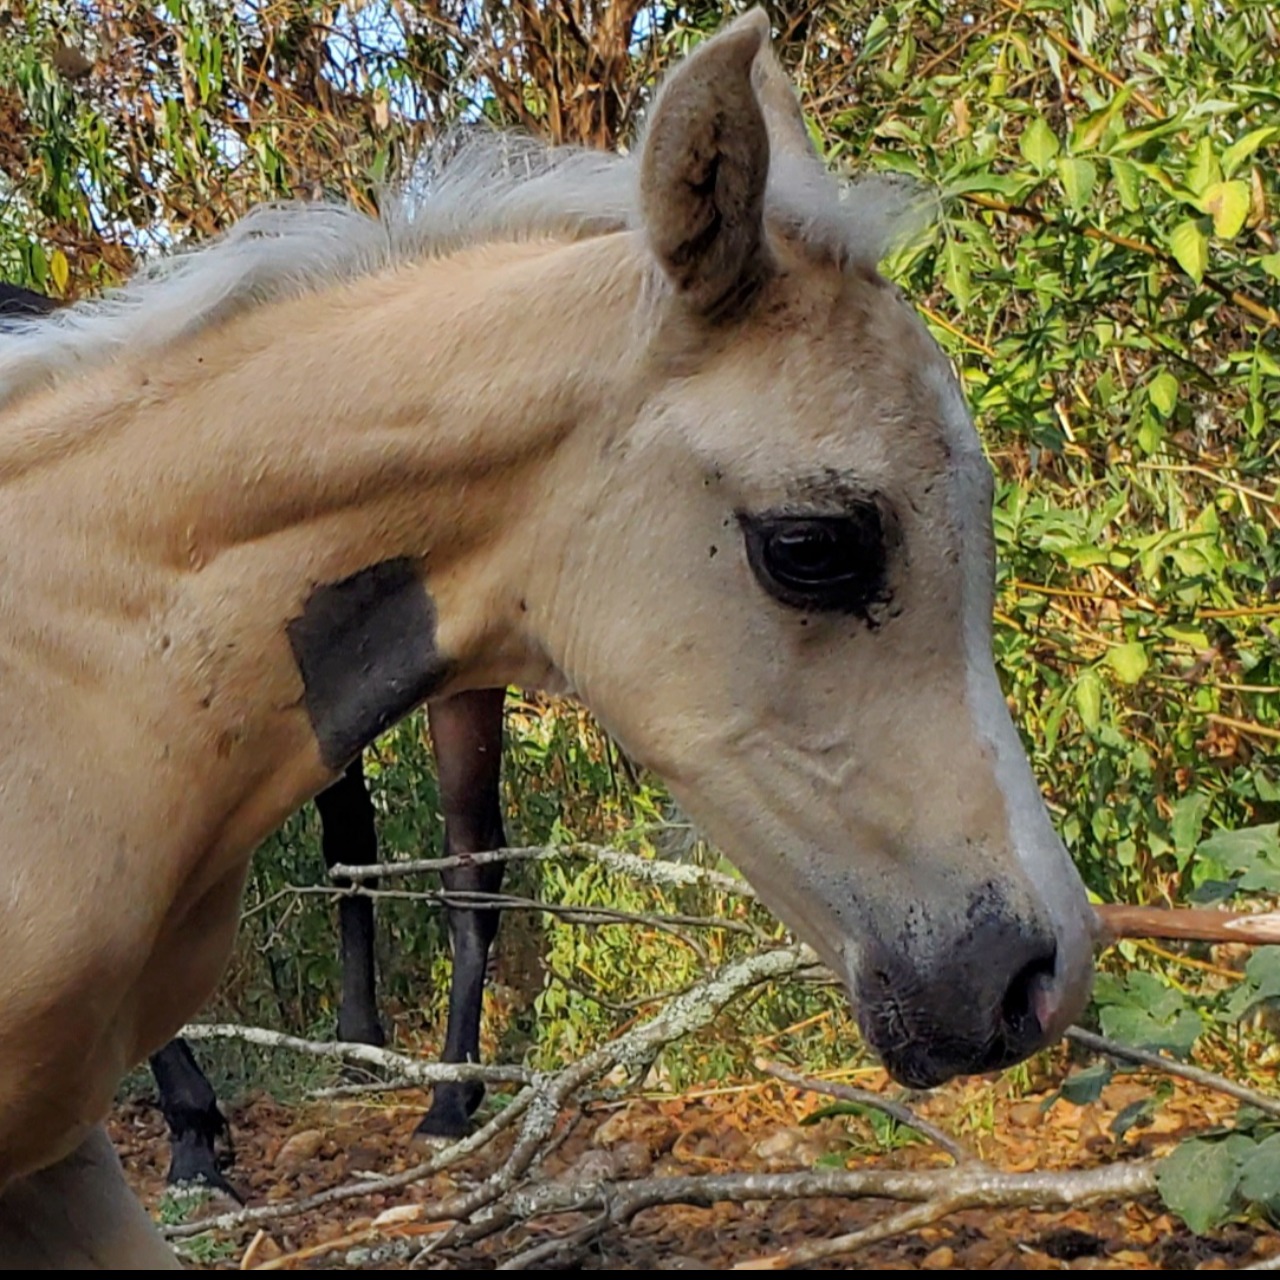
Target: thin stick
<point>452,1154</point>
<point>1243,726</point>
<point>864,1097</point>
<point>651,870</point>
<point>1209,1079</point>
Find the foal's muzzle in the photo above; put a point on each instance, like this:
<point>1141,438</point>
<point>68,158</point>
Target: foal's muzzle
<point>978,1004</point>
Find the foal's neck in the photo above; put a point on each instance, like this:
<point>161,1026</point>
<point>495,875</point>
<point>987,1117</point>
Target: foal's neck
<point>420,417</point>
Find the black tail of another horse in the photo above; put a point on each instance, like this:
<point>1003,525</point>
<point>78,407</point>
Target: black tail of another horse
<point>17,301</point>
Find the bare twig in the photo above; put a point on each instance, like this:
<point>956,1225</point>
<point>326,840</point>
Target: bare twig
<point>1209,1079</point>
<point>537,1106</point>
<point>970,1188</point>
<point>649,870</point>
<point>364,1054</point>
<point>633,1050</point>
<point>934,1192</point>
<point>366,1187</point>
<point>674,923</point>
<point>362,1089</point>
<point>865,1098</point>
<point>561,1249</point>
<point>918,1215</point>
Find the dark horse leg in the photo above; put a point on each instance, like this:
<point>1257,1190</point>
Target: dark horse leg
<point>199,1137</point>
<point>467,733</point>
<point>349,834</point>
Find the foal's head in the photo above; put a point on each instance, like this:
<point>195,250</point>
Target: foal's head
<point>789,568</point>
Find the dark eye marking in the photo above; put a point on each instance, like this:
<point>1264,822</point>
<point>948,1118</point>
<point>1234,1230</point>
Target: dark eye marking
<point>823,563</point>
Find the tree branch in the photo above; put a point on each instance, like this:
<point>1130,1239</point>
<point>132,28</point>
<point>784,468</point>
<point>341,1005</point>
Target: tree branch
<point>363,1054</point>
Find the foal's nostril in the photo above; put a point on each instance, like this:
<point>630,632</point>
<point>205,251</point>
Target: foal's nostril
<point>1027,1008</point>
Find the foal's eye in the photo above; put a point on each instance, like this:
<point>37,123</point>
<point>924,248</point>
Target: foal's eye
<point>834,564</point>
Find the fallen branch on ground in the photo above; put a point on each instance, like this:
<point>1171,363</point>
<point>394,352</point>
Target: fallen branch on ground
<point>451,1155</point>
<point>537,1106</point>
<point>948,1191</point>
<point>634,1050</point>
<point>933,1194</point>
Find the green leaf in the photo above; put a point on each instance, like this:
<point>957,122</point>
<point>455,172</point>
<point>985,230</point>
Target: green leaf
<point>955,264</point>
<point>1089,699</point>
<point>1251,853</point>
<point>1085,556</point>
<point>1085,1086</point>
<point>1238,152</point>
<point>1141,1010</point>
<point>1127,180</point>
<point>1261,983</point>
<point>1003,184</point>
<point>1198,1181</point>
<point>1039,145</point>
<point>1128,661</point>
<point>1177,1033</point>
<point>1163,392</point>
<point>1183,633</point>
<point>889,1132</point>
<point>1260,1175</point>
<point>1190,248</point>
<point>1137,1114</point>
<point>1188,818</point>
<point>1078,178</point>
<point>1204,170</point>
<point>1228,204</point>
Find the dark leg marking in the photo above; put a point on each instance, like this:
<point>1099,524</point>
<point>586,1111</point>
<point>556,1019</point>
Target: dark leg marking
<point>366,649</point>
<point>199,1136</point>
<point>467,733</point>
<point>349,835</point>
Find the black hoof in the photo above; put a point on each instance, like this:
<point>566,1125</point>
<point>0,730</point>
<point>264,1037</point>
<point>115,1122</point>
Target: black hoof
<point>452,1106</point>
<point>193,1165</point>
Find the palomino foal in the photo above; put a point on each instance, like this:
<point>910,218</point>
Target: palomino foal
<point>652,430</point>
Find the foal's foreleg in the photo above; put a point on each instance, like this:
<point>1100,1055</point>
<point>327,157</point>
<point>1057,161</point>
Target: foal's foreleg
<point>199,1136</point>
<point>466,731</point>
<point>79,1215</point>
<point>349,835</point>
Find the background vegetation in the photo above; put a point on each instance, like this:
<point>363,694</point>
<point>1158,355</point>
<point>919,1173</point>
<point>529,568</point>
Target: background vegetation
<point>1104,275</point>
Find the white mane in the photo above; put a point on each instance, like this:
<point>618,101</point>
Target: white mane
<point>466,190</point>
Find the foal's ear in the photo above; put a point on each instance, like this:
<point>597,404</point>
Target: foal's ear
<point>704,169</point>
